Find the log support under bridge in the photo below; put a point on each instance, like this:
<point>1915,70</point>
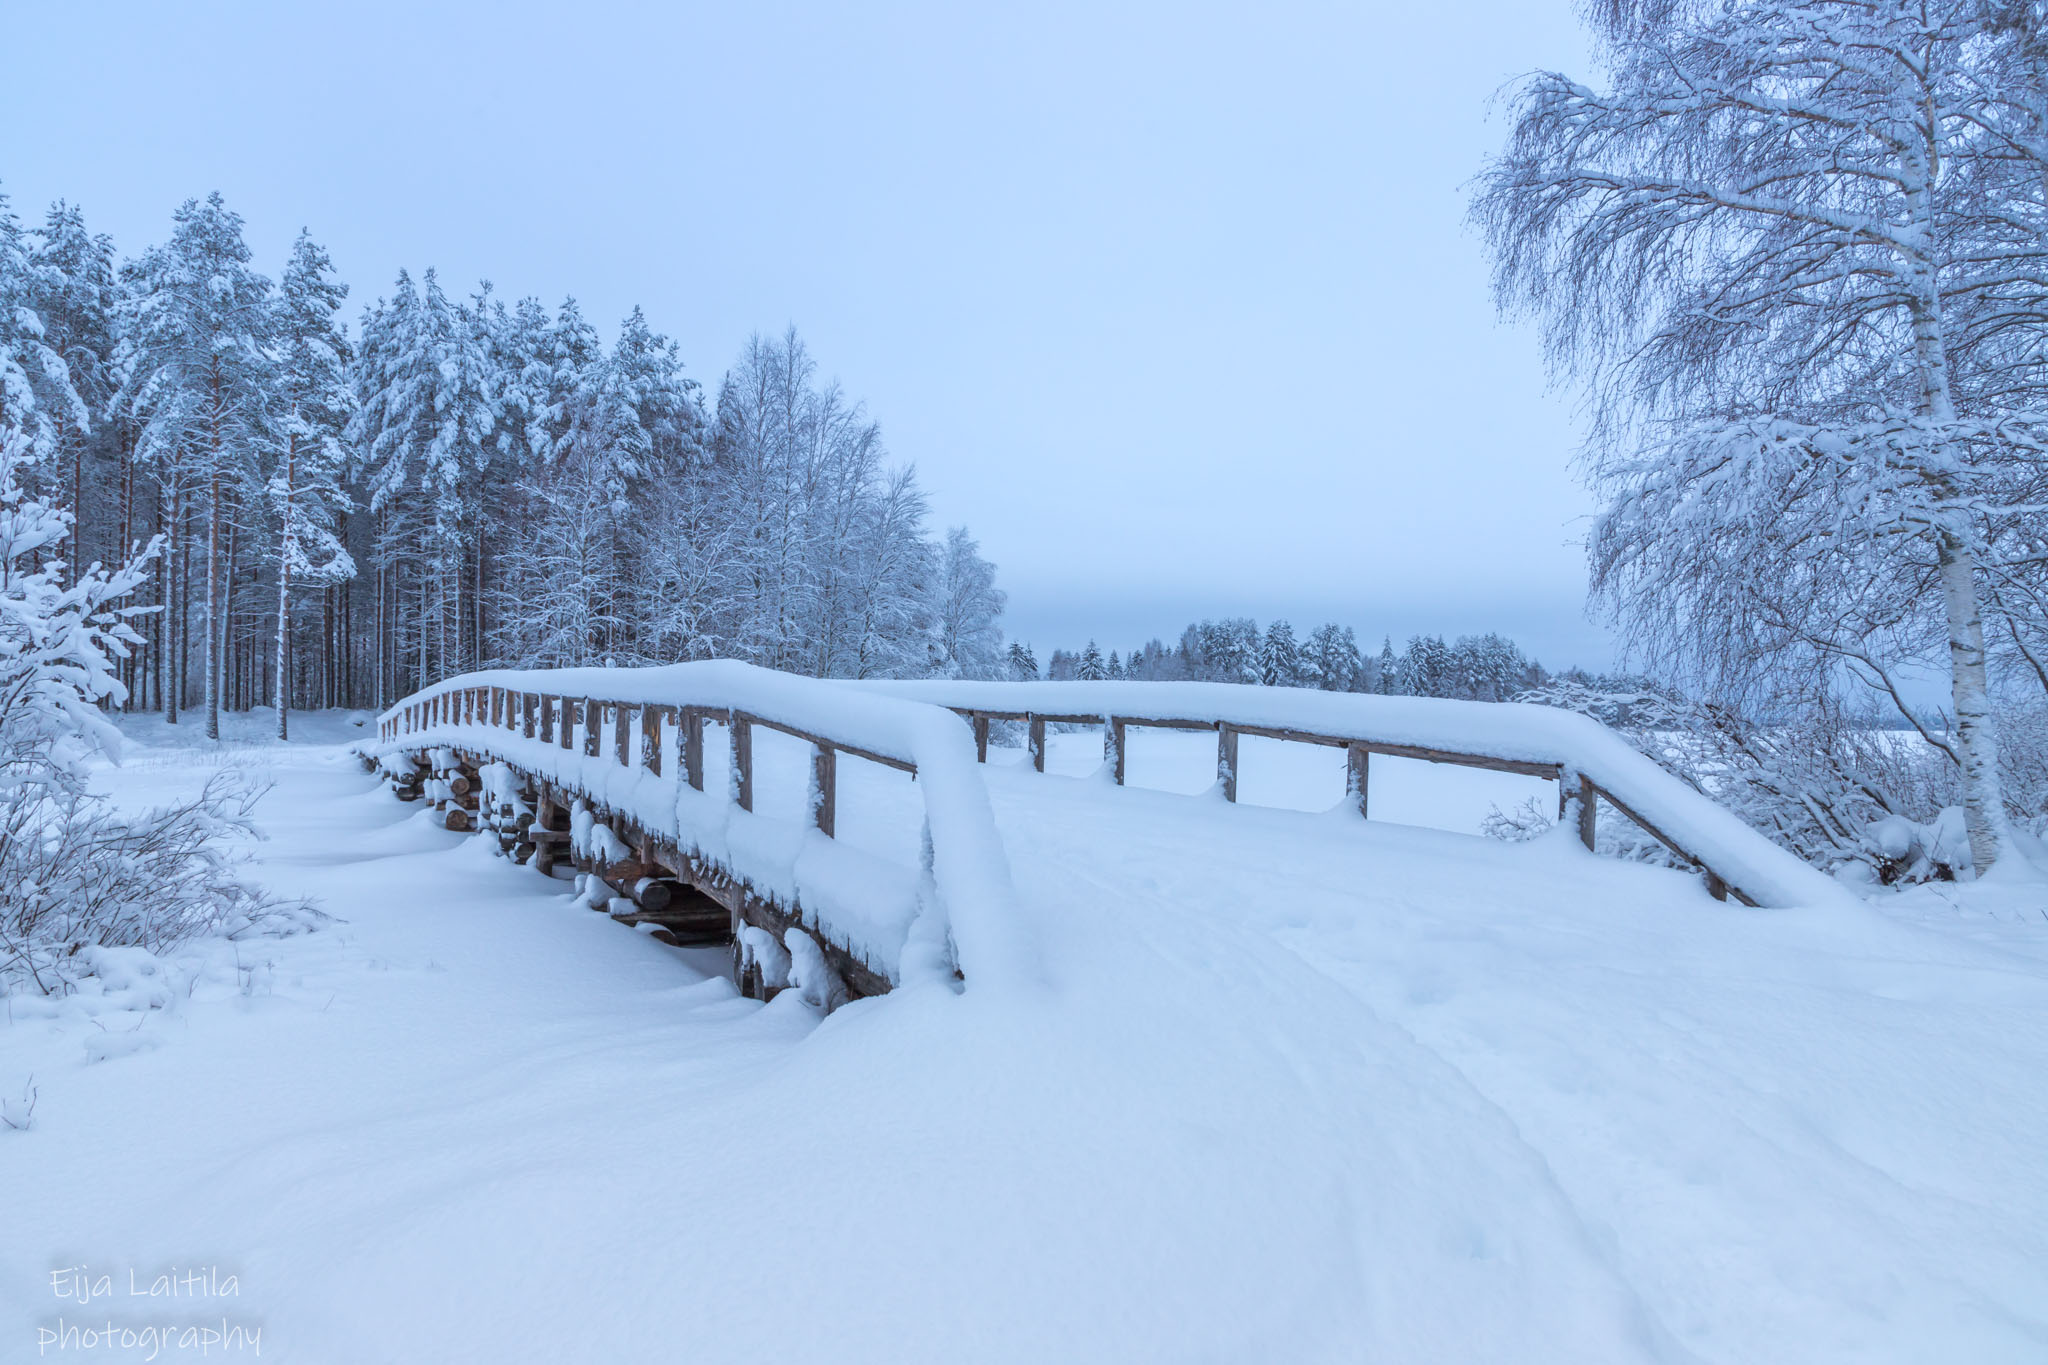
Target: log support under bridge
<point>679,898</point>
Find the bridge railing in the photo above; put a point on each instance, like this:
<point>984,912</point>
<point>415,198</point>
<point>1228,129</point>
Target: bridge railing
<point>554,725</point>
<point>1589,762</point>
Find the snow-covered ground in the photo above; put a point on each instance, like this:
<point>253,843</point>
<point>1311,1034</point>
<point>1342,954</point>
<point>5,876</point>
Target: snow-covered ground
<point>1302,1088</point>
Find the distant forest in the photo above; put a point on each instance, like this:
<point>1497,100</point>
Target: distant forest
<point>461,483</point>
<point>1233,649</point>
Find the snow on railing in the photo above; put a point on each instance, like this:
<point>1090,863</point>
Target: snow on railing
<point>1589,762</point>
<point>957,910</point>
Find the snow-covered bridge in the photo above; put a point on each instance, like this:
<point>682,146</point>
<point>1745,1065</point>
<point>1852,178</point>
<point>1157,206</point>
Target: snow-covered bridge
<point>847,878</point>
<point>1253,1081</point>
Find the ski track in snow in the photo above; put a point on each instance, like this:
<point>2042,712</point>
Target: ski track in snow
<point>1302,1088</point>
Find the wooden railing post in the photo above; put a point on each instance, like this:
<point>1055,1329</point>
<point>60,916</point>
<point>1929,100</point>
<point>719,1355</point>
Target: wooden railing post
<point>1226,760</point>
<point>1357,772</point>
<point>1578,800</point>
<point>824,787</point>
<point>593,727</point>
<point>1037,743</point>
<point>741,735</point>
<point>622,733</point>
<point>981,739</point>
<point>650,738</point>
<point>1113,747</point>
<point>566,724</point>
<point>547,719</point>
<point>693,747</point>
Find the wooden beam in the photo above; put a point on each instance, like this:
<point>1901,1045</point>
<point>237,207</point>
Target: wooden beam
<point>1037,743</point>
<point>825,788</point>
<point>1357,777</point>
<point>886,760</point>
<point>693,746</point>
<point>650,738</point>
<point>980,738</point>
<point>1113,747</point>
<point>547,720</point>
<point>741,736</point>
<point>1226,760</point>
<point>593,727</point>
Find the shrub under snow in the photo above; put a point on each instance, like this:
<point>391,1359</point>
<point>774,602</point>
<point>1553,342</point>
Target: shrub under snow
<point>76,874</point>
<point>1874,804</point>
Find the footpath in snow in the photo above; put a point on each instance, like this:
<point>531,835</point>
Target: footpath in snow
<point>1300,1088</point>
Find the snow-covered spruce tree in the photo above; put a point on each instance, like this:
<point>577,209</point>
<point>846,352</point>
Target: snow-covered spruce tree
<point>311,402</point>
<point>75,874</point>
<point>1330,658</point>
<point>1280,657</point>
<point>1792,255</point>
<point>1425,667</point>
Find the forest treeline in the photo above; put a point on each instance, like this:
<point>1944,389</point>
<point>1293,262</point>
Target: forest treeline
<point>1234,649</point>
<point>460,483</point>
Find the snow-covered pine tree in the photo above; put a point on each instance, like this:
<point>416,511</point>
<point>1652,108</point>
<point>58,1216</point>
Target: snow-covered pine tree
<point>197,342</point>
<point>311,402</point>
<point>1791,248</point>
<point>1090,667</point>
<point>36,393</point>
<point>571,349</point>
<point>73,291</point>
<point>426,393</point>
<point>1023,664</point>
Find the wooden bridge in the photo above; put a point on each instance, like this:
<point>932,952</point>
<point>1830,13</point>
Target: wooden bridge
<point>607,771</point>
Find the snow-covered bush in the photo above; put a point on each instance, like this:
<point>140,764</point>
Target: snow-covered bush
<point>1837,792</point>
<point>1518,823</point>
<point>75,873</point>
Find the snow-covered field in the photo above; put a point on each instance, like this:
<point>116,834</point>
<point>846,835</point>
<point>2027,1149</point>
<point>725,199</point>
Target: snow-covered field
<point>1302,1088</point>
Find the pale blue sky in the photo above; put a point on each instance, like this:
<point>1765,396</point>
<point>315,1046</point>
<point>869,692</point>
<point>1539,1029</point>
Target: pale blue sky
<point>1174,305</point>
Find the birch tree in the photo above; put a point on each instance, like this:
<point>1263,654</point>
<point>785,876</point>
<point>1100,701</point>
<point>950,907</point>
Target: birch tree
<point>1774,249</point>
<point>968,611</point>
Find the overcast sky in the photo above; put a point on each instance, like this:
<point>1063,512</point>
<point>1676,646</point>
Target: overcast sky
<point>1175,307</point>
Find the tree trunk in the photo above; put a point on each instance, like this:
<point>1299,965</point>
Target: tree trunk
<point>173,681</point>
<point>1976,726</point>
<point>284,582</point>
<point>212,662</point>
